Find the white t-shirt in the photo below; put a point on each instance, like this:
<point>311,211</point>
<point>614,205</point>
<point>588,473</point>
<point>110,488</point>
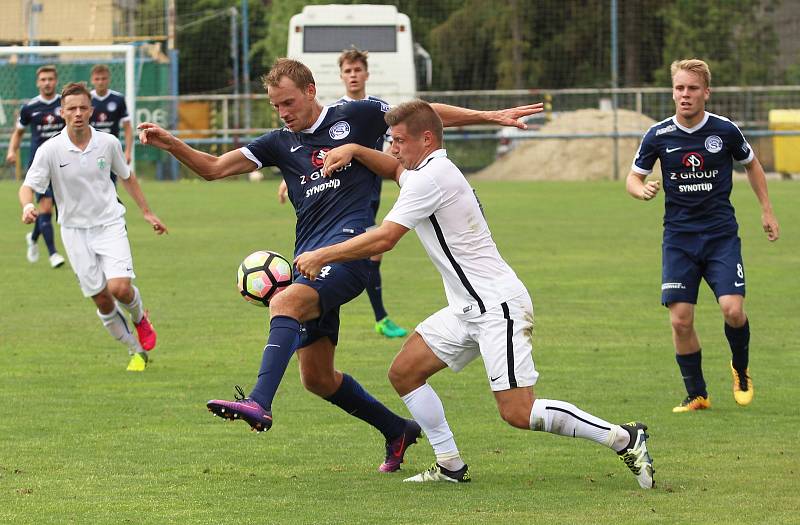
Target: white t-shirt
<point>438,202</point>
<point>84,192</point>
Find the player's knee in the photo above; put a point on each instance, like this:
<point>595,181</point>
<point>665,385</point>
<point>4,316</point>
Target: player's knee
<point>515,416</point>
<point>682,325</point>
<point>402,378</point>
<point>121,290</point>
<point>734,316</point>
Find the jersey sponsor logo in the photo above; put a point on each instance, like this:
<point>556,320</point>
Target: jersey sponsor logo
<point>49,118</point>
<point>670,150</point>
<point>318,157</point>
<point>112,106</point>
<point>713,144</point>
<point>339,130</point>
<point>667,129</point>
<point>746,147</point>
<point>673,286</point>
<point>319,188</point>
<point>101,117</point>
<point>693,160</point>
<point>102,164</point>
<point>686,188</point>
<point>384,107</point>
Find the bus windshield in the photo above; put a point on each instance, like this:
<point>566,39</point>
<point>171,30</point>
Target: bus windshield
<point>333,39</point>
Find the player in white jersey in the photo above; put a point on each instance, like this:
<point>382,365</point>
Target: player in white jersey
<point>78,163</point>
<point>489,312</point>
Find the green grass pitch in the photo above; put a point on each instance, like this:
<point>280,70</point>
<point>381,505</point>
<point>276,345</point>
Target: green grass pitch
<point>84,441</point>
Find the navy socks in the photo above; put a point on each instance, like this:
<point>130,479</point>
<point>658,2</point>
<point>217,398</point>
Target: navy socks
<point>374,290</point>
<point>739,341</point>
<point>44,221</point>
<point>284,338</point>
<point>353,399</point>
<point>692,373</point>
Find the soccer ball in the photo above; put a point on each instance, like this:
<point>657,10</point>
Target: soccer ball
<point>262,275</point>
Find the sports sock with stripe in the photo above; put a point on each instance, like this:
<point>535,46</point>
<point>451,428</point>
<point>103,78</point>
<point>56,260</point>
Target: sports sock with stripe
<point>118,328</point>
<point>565,419</point>
<point>284,338</point>
<point>135,307</point>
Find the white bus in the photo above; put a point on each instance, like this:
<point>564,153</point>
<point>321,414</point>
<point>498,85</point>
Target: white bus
<point>319,34</point>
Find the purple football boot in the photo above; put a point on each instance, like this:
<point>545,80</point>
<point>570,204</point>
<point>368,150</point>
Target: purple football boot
<point>243,408</point>
<point>396,448</point>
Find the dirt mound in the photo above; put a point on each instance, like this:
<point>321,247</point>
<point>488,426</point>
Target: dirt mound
<point>574,159</point>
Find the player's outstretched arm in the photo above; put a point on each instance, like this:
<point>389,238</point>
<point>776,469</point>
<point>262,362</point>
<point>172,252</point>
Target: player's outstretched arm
<point>207,166</point>
<point>135,191</point>
<point>639,189</point>
<point>379,163</point>
<point>457,116</point>
<point>758,181</point>
<point>374,242</point>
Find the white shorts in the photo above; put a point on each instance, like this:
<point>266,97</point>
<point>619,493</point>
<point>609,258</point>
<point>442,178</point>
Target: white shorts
<point>97,254</point>
<point>503,336</point>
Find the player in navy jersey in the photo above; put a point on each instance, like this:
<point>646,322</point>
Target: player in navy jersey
<point>354,72</point>
<point>697,149</point>
<point>43,115</point>
<point>110,111</point>
<point>305,316</point>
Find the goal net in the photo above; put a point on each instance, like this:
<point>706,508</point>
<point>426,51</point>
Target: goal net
<point>18,65</point>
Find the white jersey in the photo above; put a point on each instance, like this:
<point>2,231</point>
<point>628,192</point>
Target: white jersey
<point>438,202</point>
<point>85,195</point>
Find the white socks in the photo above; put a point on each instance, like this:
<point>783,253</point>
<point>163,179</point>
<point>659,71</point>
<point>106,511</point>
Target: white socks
<point>118,328</point>
<point>565,419</point>
<point>135,307</point>
<point>427,410</point>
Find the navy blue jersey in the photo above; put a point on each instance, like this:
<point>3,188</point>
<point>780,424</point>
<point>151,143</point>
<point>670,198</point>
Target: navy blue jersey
<point>697,169</point>
<point>376,189</point>
<point>109,112</point>
<point>44,119</point>
<point>329,210</point>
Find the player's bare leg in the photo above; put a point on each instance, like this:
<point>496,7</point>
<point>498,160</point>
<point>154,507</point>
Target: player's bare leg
<point>688,355</point>
<point>737,331</point>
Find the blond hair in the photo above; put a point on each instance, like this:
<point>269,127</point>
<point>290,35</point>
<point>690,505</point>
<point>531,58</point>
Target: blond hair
<point>693,65</point>
<point>294,70</point>
<point>418,117</point>
<point>99,69</point>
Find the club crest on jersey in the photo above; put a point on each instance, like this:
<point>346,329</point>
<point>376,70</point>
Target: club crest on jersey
<point>339,130</point>
<point>714,144</point>
<point>693,161</point>
<point>101,163</point>
<point>318,157</point>
<point>112,106</point>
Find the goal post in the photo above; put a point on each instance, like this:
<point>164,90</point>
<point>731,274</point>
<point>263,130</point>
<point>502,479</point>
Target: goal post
<point>19,63</point>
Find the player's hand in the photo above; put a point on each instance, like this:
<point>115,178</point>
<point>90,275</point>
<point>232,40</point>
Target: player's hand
<point>283,191</point>
<point>154,135</point>
<point>650,189</point>
<point>159,227</point>
<point>770,224</point>
<point>309,264</point>
<point>11,158</point>
<point>29,214</point>
<point>511,116</point>
<point>337,158</point>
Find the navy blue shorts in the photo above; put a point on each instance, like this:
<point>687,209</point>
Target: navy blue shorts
<point>48,193</point>
<point>337,284</point>
<point>689,257</point>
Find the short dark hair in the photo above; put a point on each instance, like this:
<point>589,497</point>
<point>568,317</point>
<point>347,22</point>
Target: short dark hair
<point>354,55</point>
<point>294,70</point>
<point>100,68</point>
<point>75,88</point>
<point>418,116</point>
<point>47,69</point>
